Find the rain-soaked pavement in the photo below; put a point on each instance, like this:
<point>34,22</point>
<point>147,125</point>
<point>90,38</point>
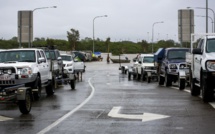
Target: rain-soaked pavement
<point>105,102</point>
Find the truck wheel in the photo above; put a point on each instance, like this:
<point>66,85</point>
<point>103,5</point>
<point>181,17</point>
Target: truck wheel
<point>148,79</point>
<point>129,76</point>
<point>143,76</point>
<point>168,81</point>
<point>207,91</point>
<point>161,80</point>
<point>50,87</point>
<point>25,105</point>
<point>72,84</point>
<point>181,84</point>
<point>37,85</point>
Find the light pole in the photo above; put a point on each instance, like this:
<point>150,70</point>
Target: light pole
<point>32,17</point>
<point>212,21</point>
<point>153,33</point>
<point>206,13</point>
<point>93,28</point>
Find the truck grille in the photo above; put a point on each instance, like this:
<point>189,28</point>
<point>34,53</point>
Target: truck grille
<point>7,70</point>
<point>7,82</point>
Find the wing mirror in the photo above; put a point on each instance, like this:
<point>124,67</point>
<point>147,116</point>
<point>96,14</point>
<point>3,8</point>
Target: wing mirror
<point>197,51</point>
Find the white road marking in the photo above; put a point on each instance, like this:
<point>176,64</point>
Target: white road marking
<point>45,130</point>
<point>188,91</point>
<point>3,118</point>
<point>144,117</point>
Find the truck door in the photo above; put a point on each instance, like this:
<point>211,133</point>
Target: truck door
<point>45,65</point>
<point>41,66</point>
<point>197,61</point>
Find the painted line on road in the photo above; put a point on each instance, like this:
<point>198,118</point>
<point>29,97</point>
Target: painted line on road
<point>45,130</point>
<point>188,91</point>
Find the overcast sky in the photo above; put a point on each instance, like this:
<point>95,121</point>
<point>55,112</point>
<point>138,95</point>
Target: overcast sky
<point>127,19</point>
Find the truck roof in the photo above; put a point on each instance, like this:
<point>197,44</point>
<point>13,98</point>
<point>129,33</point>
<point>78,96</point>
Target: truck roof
<point>15,49</point>
<point>176,48</point>
<point>143,55</point>
<point>210,37</point>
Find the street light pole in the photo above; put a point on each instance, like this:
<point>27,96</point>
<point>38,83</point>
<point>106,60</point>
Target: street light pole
<point>30,45</point>
<point>211,21</point>
<point>153,33</point>
<point>93,28</point>
<point>206,13</point>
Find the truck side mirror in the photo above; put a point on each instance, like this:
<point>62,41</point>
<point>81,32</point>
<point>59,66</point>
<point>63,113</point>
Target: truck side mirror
<point>197,51</point>
<point>140,62</point>
<point>41,59</point>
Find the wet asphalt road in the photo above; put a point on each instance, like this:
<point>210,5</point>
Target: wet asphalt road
<point>86,109</point>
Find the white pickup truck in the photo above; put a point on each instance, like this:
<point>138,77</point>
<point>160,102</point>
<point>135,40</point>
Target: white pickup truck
<point>23,72</point>
<point>71,67</point>
<point>202,66</point>
<point>144,68</point>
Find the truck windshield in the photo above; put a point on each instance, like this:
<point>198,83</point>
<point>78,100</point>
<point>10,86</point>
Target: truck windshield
<point>66,58</point>
<point>148,60</point>
<point>210,45</point>
<point>177,54</point>
<point>17,56</point>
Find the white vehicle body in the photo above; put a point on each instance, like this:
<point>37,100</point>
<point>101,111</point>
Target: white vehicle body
<point>202,66</point>
<point>144,63</point>
<point>24,64</point>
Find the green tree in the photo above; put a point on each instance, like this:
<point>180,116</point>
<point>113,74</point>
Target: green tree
<point>73,36</point>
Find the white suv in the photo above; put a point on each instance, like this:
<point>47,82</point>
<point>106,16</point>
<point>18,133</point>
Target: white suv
<point>144,67</point>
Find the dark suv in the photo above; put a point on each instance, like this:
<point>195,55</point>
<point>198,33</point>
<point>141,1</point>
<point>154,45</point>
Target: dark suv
<point>56,62</point>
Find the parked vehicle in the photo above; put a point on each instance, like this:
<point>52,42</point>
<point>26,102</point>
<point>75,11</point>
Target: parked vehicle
<point>201,61</point>
<point>23,73</point>
<point>69,73</point>
<point>144,68</point>
<point>171,66</point>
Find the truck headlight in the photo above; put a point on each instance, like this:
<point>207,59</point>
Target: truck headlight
<point>210,65</point>
<point>172,66</point>
<point>24,71</point>
<point>68,65</point>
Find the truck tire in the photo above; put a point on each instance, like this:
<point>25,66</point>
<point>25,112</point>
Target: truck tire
<point>72,84</point>
<point>50,88</point>
<point>161,80</point>
<point>143,76</point>
<point>129,76</point>
<point>148,79</point>
<point>207,91</point>
<point>37,85</point>
<point>25,105</point>
<point>168,81</point>
<point>181,84</point>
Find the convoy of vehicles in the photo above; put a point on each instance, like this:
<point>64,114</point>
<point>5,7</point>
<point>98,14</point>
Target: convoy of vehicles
<point>24,72</point>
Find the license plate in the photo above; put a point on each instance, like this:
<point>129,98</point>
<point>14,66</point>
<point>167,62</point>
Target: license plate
<point>5,77</point>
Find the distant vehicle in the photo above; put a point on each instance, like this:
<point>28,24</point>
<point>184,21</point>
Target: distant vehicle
<point>79,55</point>
<point>144,68</point>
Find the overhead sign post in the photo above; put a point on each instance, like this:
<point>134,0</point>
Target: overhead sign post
<point>25,27</point>
<point>185,24</point>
